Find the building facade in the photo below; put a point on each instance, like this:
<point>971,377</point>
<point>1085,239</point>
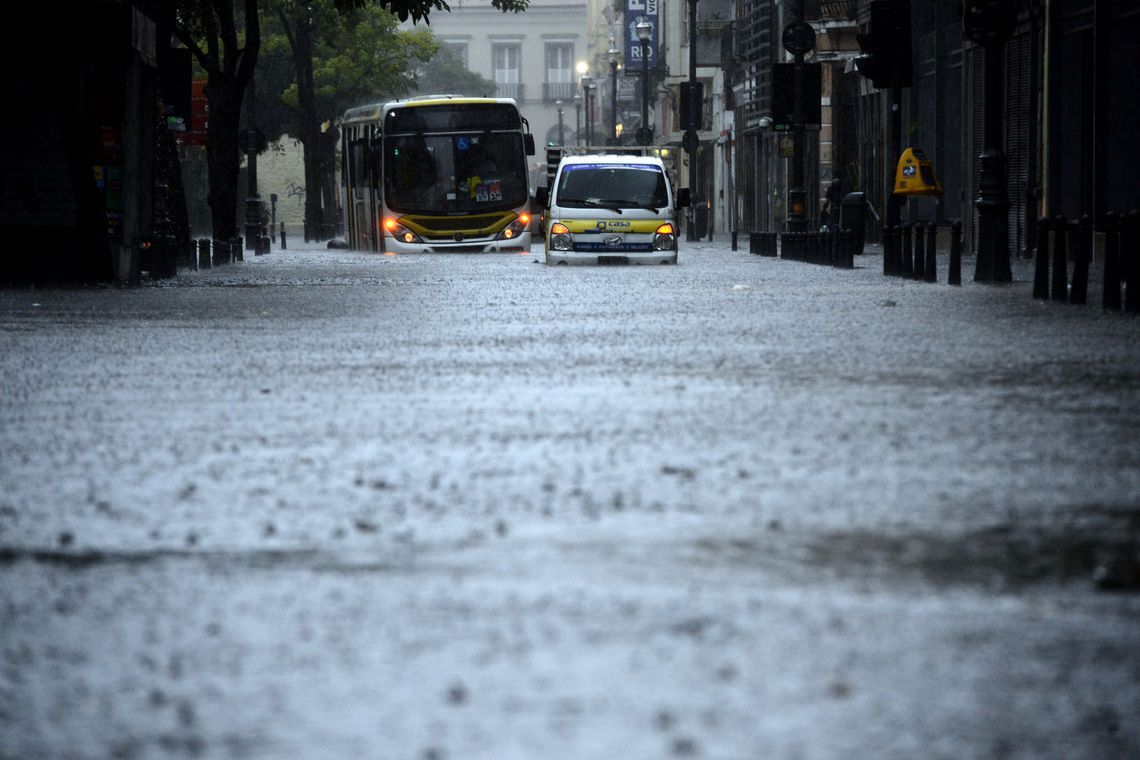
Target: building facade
<point>531,56</point>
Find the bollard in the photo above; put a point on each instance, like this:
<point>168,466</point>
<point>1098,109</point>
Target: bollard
<point>906,262</point>
<point>192,254</point>
<point>754,242</point>
<point>1041,265</point>
<point>954,276</point>
<point>283,246</point>
<point>919,272</point>
<point>1111,299</point>
<point>221,252</point>
<point>734,240</point>
<point>205,259</point>
<point>1078,291</point>
<point>896,250</point>
<point>1060,290</point>
<point>1130,264</point>
<point>931,268</point>
<point>844,250</point>
<point>237,248</point>
<point>888,253</point>
<point>769,240</point>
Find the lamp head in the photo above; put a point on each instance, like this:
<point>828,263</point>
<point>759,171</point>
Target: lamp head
<point>644,30</point>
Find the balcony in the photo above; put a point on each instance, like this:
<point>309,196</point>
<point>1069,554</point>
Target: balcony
<point>564,91</point>
<point>509,90</point>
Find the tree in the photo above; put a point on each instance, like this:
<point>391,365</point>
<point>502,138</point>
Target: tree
<point>446,73</point>
<point>339,59</point>
<point>419,10</point>
<point>209,28</point>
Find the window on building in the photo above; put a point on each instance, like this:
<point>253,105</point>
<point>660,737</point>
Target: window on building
<point>559,83</point>
<point>506,64</point>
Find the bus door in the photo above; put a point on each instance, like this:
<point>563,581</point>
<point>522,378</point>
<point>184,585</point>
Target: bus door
<point>362,201</point>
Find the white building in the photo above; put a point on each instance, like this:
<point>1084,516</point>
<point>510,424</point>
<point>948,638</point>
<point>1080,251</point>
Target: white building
<point>531,56</point>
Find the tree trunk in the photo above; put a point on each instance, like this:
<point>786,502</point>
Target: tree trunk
<point>309,127</point>
<point>223,157</point>
<point>328,181</point>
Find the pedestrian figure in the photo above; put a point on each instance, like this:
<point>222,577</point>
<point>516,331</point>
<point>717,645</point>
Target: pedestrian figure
<point>833,199</point>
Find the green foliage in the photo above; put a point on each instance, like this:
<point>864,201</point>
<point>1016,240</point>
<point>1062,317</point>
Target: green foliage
<point>359,56</point>
<point>419,10</point>
<point>446,73</point>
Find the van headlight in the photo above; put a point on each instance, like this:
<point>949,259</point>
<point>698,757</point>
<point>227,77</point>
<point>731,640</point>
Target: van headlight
<point>664,239</point>
<point>400,232</point>
<point>515,228</point>
<point>560,238</point>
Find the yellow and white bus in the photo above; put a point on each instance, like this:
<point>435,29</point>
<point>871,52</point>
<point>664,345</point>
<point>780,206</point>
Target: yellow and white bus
<point>439,174</point>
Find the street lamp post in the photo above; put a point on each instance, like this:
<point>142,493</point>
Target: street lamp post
<point>691,120</point>
<point>577,118</point>
<point>614,56</point>
<point>586,87</point>
<point>561,136</point>
<point>644,29</point>
<point>990,23</point>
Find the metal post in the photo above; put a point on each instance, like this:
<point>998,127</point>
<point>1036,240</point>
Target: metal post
<point>1111,298</point>
<point>1130,264</point>
<point>797,194</point>
<point>561,135</point>
<point>690,120</point>
<point>1082,252</point>
<point>954,277</point>
<point>1041,267</point>
<point>644,30</point>
<point>613,54</point>
<point>1060,259</point>
<point>931,252</point>
<point>577,118</point>
<point>586,87</point>
<point>993,264</point>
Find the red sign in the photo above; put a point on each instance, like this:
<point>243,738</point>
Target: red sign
<point>199,115</point>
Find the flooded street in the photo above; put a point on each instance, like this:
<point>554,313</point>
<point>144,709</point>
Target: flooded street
<point>327,504</point>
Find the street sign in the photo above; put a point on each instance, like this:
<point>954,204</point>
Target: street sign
<point>799,38</point>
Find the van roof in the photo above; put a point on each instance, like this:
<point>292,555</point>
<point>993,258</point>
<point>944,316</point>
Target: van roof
<point>613,159</point>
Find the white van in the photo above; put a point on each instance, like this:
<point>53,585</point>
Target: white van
<point>612,209</point>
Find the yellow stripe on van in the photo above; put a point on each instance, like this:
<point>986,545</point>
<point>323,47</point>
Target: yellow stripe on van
<point>586,226</point>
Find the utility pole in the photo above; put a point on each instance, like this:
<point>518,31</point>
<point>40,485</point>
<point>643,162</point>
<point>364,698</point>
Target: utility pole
<point>614,56</point>
<point>797,195</point>
<point>644,30</point>
<point>990,23</point>
<point>691,123</point>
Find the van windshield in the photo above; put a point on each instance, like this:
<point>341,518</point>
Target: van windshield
<point>613,186</point>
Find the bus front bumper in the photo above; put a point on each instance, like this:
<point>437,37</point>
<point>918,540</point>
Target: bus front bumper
<point>520,244</point>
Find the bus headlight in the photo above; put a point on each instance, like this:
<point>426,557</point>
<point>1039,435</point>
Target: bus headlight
<point>399,232</point>
<point>515,228</point>
<point>664,239</point>
<point>560,239</point>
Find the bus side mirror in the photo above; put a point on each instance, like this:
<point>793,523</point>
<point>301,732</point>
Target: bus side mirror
<point>683,199</point>
<point>528,141</point>
<point>541,196</point>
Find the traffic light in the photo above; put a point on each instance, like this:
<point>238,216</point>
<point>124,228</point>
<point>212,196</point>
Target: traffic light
<point>886,45</point>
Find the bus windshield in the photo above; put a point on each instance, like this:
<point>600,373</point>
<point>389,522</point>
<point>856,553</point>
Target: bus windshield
<point>454,173</point>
